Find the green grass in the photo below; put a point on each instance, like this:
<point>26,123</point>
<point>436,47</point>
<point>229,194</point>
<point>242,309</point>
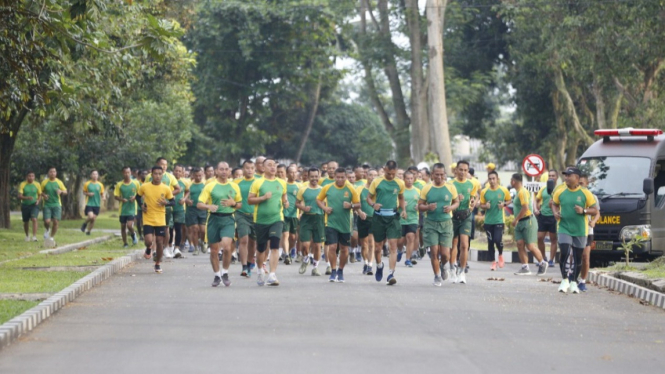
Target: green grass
<point>30,281</point>
<point>105,220</point>
<point>12,308</point>
<point>653,270</point>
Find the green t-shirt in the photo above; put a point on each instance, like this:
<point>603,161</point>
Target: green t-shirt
<point>127,191</point>
<point>271,210</point>
<point>443,196</point>
<point>326,181</point>
<point>97,189</point>
<point>245,185</point>
<point>494,215</point>
<point>411,197</point>
<point>544,197</point>
<point>571,222</point>
<point>363,192</point>
<point>291,194</point>
<point>49,188</point>
<point>214,193</point>
<point>308,197</point>
<point>386,192</point>
<point>466,189</point>
<point>195,190</point>
<point>522,198</point>
<point>30,189</point>
<point>180,207</point>
<point>339,219</point>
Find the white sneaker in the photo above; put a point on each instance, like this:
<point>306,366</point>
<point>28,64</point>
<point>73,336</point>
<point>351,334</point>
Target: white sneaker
<point>461,278</point>
<point>453,276</point>
<point>46,234</point>
<point>565,285</point>
<point>573,288</point>
<point>27,238</point>
<point>272,280</point>
<point>34,238</point>
<point>207,250</point>
<point>168,252</point>
<point>177,253</point>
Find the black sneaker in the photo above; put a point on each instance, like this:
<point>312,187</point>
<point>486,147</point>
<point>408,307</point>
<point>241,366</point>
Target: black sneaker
<point>83,226</point>
<point>216,281</point>
<point>147,253</point>
<point>226,280</point>
<point>158,269</point>
<point>88,233</point>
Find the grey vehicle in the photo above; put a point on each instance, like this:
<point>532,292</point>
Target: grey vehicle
<point>626,172</point>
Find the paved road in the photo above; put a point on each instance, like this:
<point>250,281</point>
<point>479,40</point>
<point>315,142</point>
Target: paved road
<point>142,322</point>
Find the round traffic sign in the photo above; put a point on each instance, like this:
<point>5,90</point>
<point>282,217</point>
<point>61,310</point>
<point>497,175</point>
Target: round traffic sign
<point>533,165</point>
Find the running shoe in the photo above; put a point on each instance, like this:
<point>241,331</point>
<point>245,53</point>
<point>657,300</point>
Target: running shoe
<point>379,273</point>
<point>452,276</point>
<point>462,278</point>
<point>437,281</point>
<point>364,269</point>
<point>34,238</point>
<point>523,271</point>
<point>369,270</point>
<point>493,267</point>
<point>352,258</point>
<point>88,233</point>
<point>501,261</point>
<point>226,280</point>
<point>358,257</point>
<point>177,253</point>
<point>158,269</point>
<point>573,288</point>
<point>399,256</point>
<point>46,234</point>
<point>243,273</point>
<point>563,287</point>
<point>83,226</point>
<point>287,260</point>
<point>408,263</point>
<point>249,272</point>
<point>414,261</point>
<point>328,270</point>
<point>135,240</point>
<point>191,249</point>
<point>272,280</point>
<point>252,266</point>
<point>216,281</point>
<point>542,268</point>
<point>582,287</point>
<point>147,253</point>
<point>333,276</point>
<point>196,252</point>
<point>466,269</point>
<point>316,272</point>
<point>391,280</point>
<point>445,274</point>
<point>299,258</point>
<point>260,281</point>
<point>234,258</point>
<point>168,252</point>
<point>551,263</point>
<point>125,246</point>
<point>340,275</point>
<point>292,253</point>
<point>303,267</point>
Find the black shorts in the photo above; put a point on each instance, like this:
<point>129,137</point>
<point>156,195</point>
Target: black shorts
<point>154,230</point>
<point>124,219</point>
<point>408,229</point>
<point>93,209</point>
<point>589,240</point>
<point>546,224</point>
<point>334,237</point>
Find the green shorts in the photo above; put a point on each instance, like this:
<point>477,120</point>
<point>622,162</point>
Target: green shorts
<point>179,216</point>
<point>527,230</point>
<point>386,228</point>
<point>245,225</point>
<point>265,232</point>
<point>290,225</point>
<point>364,227</point>
<point>462,227</point>
<point>219,227</point>
<point>29,212</point>
<point>438,233</point>
<point>169,216</point>
<point>53,212</point>
<point>312,228</point>
<point>335,237</point>
<point>194,216</point>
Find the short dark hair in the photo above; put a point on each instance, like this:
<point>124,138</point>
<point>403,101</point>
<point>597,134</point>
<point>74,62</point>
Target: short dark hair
<point>412,168</point>
<point>313,169</point>
<point>279,166</point>
<point>438,165</point>
<point>366,166</point>
<point>409,172</point>
<point>517,177</point>
<point>179,166</point>
<point>585,176</point>
<point>208,166</point>
<point>465,162</point>
<point>234,170</point>
<point>160,159</point>
<point>391,165</point>
<point>248,161</point>
<point>553,170</point>
<point>266,159</point>
<point>126,167</point>
<point>196,169</point>
<point>156,168</point>
<point>29,172</point>
<point>340,170</point>
<point>51,167</point>
<point>472,171</point>
<point>493,172</point>
<point>426,171</point>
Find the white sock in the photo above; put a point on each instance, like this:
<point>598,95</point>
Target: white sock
<point>379,266</point>
<point>225,271</point>
<point>582,281</point>
<point>314,262</point>
<point>272,275</point>
<point>219,274</point>
<point>327,263</point>
<point>261,271</point>
<point>281,251</point>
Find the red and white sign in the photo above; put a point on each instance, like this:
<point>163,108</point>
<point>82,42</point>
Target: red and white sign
<point>533,165</point>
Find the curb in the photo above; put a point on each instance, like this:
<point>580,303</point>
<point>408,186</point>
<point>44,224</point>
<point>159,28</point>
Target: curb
<point>11,330</point>
<point>74,246</point>
<point>650,296</point>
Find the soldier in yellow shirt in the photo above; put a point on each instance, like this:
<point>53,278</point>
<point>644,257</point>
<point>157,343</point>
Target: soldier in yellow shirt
<point>156,197</point>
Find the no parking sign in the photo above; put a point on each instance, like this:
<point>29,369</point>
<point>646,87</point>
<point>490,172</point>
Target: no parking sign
<point>533,165</point>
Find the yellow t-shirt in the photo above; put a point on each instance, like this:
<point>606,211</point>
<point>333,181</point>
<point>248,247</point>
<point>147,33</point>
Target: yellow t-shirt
<point>152,194</point>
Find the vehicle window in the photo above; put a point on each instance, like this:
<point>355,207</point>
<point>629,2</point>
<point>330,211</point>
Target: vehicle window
<point>616,176</point>
<point>659,182</point>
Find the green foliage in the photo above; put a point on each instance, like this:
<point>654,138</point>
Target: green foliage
<point>12,308</point>
<point>627,247</point>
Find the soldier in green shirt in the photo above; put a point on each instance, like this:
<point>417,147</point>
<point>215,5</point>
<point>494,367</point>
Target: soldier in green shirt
<point>93,191</point>
<point>179,212</point>
<point>493,199</point>
<point>290,215</point>
<point>410,223</point>
<point>29,192</point>
<point>195,218</point>
<point>125,192</point>
<point>52,189</point>
<point>312,226</point>
<point>245,220</point>
<point>546,222</point>
<point>365,223</point>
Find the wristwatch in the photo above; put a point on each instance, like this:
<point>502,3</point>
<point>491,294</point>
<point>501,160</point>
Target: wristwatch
<point>584,210</point>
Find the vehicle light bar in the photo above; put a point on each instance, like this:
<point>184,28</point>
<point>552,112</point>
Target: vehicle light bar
<point>628,132</point>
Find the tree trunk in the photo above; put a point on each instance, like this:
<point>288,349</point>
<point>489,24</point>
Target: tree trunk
<point>419,138</point>
<point>7,142</point>
<point>71,203</point>
<point>569,106</point>
<point>310,120</point>
<point>600,103</point>
<point>437,90</point>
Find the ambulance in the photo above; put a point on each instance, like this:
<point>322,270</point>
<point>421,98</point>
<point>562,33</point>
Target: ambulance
<point>626,170</point>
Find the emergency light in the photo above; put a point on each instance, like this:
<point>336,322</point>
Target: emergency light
<point>649,133</point>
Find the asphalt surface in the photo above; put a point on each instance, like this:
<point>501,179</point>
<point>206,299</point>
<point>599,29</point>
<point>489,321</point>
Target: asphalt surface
<point>142,322</point>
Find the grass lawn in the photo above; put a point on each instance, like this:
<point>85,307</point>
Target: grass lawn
<point>11,308</point>
<point>652,270</point>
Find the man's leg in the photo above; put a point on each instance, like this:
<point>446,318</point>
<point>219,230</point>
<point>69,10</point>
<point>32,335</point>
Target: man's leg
<point>586,263</point>
<point>54,229</point>
<point>47,224</point>
<point>130,227</point>
<point>159,247</point>
<point>91,220</point>
<point>26,228</point>
<point>553,245</point>
<point>149,239</point>
<point>434,259</point>
<point>123,233</point>
<point>541,242</point>
<point>489,232</point>
<point>410,244</point>
<point>453,255</point>
<point>34,226</point>
<point>464,250</point>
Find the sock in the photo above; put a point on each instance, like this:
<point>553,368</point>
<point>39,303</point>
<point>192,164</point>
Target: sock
<point>219,274</point>
<point>438,274</point>
<point>314,262</point>
<point>392,271</point>
<point>281,251</point>
<point>582,281</point>
<point>272,275</point>
<point>369,264</point>
<point>261,271</point>
<point>525,266</point>
<point>379,267</point>
<point>225,271</point>
<point>327,263</point>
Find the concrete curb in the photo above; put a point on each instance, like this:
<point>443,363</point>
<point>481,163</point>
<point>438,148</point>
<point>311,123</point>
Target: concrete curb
<point>650,296</point>
<point>11,330</point>
<point>74,246</point>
